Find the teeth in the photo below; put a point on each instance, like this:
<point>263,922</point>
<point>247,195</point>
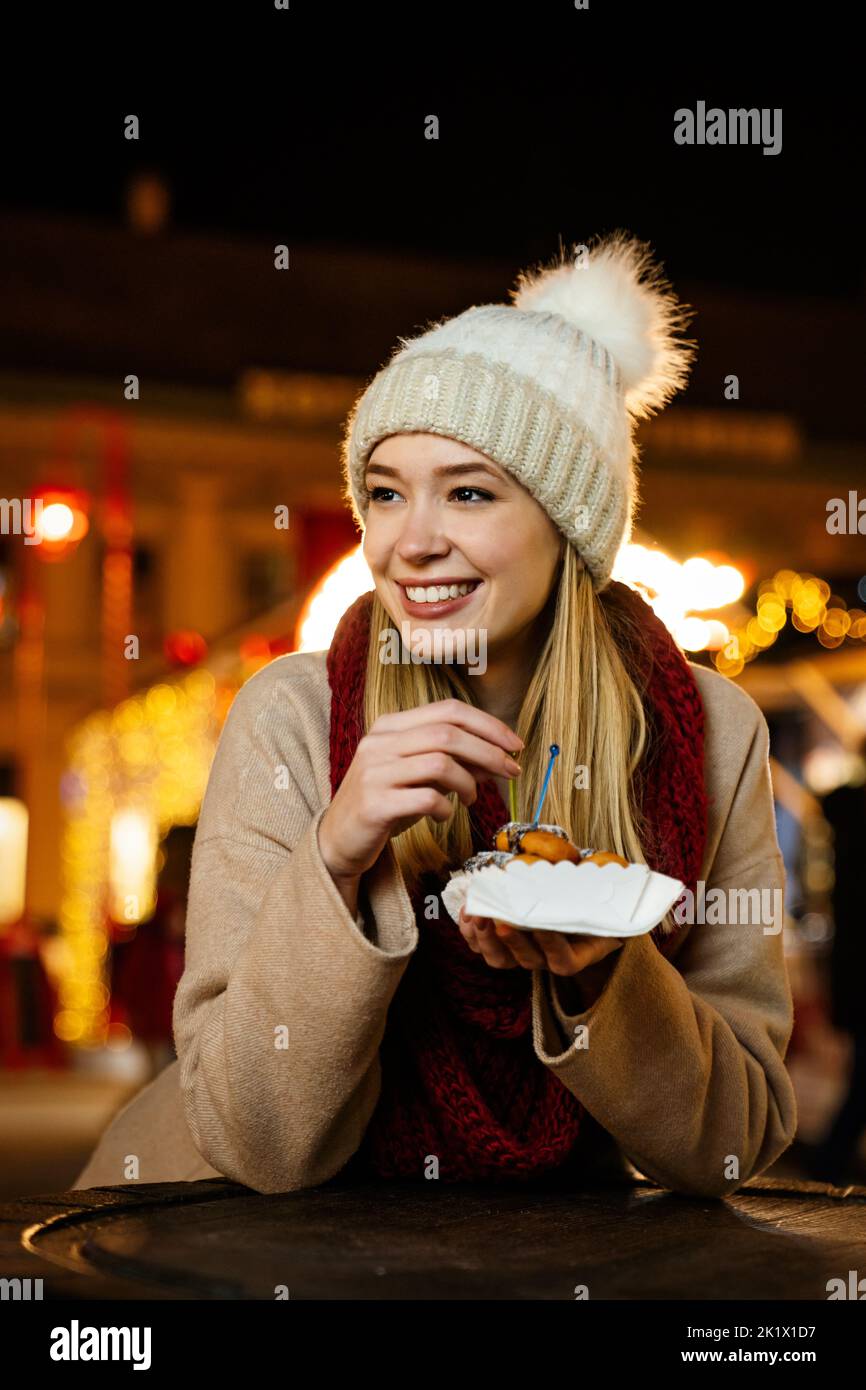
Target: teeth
<point>437,593</point>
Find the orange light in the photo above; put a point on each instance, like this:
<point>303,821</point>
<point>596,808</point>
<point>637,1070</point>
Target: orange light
<point>255,648</point>
<point>61,521</point>
<point>338,588</point>
<point>56,522</point>
<point>14,820</point>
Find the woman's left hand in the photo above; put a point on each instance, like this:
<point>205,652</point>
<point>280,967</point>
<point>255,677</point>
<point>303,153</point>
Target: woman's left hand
<point>504,947</point>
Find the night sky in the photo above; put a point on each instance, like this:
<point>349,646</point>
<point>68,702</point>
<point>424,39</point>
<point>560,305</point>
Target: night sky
<point>323,140</point>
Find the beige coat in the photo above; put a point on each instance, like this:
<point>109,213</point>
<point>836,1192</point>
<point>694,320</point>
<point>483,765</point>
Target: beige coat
<point>684,1068</point>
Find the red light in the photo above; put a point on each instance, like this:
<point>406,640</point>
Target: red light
<point>185,648</point>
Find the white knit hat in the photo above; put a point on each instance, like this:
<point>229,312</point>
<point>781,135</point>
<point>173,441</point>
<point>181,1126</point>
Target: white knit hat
<point>549,387</point>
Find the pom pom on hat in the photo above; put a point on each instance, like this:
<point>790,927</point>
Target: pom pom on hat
<point>614,291</point>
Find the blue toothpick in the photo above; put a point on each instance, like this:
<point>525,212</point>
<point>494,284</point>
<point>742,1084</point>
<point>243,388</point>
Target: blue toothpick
<point>554,749</point>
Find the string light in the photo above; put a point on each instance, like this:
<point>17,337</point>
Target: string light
<point>148,760</point>
<point>804,600</point>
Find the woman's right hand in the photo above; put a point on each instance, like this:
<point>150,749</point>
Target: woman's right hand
<point>402,770</point>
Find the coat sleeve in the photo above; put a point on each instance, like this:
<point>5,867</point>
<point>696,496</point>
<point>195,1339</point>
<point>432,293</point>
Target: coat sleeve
<point>282,1005</point>
<point>682,1060</point>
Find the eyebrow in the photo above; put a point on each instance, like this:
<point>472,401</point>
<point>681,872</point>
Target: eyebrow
<point>444,470</point>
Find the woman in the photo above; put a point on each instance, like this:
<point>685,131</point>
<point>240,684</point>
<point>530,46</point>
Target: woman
<point>331,1014</point>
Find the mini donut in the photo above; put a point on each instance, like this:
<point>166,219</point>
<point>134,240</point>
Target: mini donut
<point>546,846</point>
<point>606,856</point>
<point>546,841</point>
<point>510,835</point>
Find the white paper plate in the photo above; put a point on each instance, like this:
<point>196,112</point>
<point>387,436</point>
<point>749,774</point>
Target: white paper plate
<point>593,899</point>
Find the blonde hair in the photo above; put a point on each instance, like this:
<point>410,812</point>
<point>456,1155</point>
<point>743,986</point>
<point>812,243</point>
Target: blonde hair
<point>581,696</point>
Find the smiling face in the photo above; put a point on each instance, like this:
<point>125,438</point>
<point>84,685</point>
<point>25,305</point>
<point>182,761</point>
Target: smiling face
<point>454,541</point>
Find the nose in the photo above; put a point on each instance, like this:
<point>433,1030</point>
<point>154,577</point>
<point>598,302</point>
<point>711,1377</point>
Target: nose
<point>421,534</point>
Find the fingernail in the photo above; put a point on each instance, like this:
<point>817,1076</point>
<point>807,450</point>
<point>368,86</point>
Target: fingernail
<point>512,765</point>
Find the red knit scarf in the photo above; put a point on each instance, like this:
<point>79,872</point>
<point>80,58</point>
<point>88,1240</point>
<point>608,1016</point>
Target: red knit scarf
<point>460,1079</point>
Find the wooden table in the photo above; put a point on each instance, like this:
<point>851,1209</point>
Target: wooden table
<point>774,1239</point>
